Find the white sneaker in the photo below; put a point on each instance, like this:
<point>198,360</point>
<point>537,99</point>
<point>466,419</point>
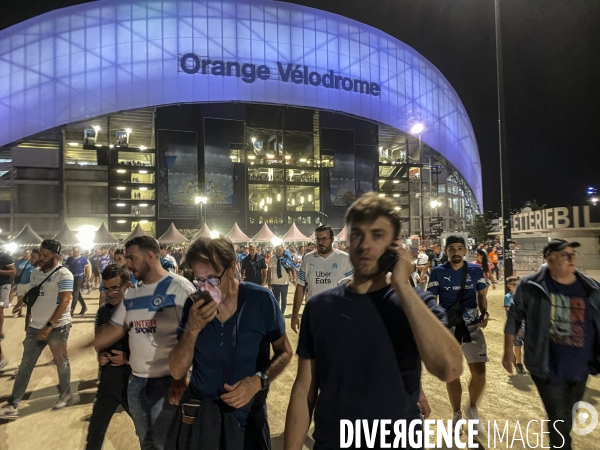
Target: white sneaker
<point>9,412</point>
<point>457,416</point>
<point>473,415</point>
<point>63,402</point>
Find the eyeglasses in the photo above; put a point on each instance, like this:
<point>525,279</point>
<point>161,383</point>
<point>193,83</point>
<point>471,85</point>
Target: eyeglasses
<point>213,281</point>
<point>325,239</point>
<point>114,289</point>
<point>568,256</point>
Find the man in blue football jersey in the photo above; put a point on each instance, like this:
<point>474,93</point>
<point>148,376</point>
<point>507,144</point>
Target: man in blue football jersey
<point>446,282</point>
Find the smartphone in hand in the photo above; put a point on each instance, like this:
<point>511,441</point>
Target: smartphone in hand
<point>387,261</point>
<point>201,296</point>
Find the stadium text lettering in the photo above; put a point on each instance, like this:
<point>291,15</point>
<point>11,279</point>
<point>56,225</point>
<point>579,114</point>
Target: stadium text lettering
<point>191,63</point>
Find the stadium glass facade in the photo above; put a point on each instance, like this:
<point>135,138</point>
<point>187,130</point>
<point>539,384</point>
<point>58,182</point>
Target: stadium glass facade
<point>125,112</point>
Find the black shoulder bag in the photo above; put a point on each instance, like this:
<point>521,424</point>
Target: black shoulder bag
<point>32,294</point>
<point>184,433</point>
<point>455,312</point>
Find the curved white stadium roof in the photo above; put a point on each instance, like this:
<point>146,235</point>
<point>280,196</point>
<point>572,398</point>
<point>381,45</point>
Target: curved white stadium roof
<point>96,58</point>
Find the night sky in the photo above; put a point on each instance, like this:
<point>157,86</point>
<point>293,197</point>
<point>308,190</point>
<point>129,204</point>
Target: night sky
<point>551,75</point>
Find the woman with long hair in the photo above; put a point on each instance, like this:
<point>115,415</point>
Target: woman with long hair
<point>487,267</point>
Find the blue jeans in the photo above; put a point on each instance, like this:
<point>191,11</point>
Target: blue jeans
<point>150,409</point>
<point>280,292</point>
<point>32,349</point>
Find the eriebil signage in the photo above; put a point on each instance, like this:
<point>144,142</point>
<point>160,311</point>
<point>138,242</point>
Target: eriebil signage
<point>552,218</point>
<point>192,64</point>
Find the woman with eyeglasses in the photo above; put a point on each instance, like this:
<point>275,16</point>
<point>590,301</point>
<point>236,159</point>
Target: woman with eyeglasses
<point>226,334</point>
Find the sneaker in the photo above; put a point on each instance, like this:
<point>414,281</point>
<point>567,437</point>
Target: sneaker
<point>473,415</point>
<point>3,363</point>
<point>9,412</point>
<point>521,369</point>
<point>63,402</point>
<point>457,416</point>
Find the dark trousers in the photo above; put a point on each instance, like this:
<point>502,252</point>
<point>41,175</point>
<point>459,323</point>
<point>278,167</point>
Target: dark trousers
<point>112,393</point>
<point>77,297</point>
<point>558,399</point>
<point>280,292</point>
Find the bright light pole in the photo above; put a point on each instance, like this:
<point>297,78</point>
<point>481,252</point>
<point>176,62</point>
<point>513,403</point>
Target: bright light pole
<point>418,129</point>
<point>201,201</point>
<point>504,175</point>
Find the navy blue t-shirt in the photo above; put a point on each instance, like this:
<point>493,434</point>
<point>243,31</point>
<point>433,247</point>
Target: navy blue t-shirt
<point>261,324</point>
<point>572,330</point>
<point>76,265</point>
<point>445,283</point>
<point>367,362</point>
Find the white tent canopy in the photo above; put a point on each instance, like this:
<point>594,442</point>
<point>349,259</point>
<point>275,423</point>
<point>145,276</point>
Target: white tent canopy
<point>27,237</point>
<point>342,235</point>
<point>135,233</point>
<point>172,236</point>
<point>66,237</point>
<point>294,235</point>
<point>202,232</point>
<point>264,235</point>
<point>103,236</point>
<point>236,235</point>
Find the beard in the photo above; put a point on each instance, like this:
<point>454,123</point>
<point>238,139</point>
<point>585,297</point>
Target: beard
<point>46,265</point>
<point>142,271</point>
<point>456,258</point>
<point>322,250</point>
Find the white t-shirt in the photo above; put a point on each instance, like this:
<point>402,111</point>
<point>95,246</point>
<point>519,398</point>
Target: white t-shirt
<point>285,277</point>
<point>47,301</point>
<point>152,313</point>
<point>319,274</point>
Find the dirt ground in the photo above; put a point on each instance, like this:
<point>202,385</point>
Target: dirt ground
<point>507,398</point>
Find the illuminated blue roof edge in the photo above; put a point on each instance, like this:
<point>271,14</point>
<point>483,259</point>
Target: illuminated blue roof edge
<point>96,58</point>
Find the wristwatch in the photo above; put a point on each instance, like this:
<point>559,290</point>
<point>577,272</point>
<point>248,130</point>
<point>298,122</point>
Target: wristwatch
<point>264,380</point>
<point>49,324</point>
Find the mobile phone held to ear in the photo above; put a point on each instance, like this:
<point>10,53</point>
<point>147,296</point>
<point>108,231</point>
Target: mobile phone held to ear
<point>387,261</point>
<point>201,296</point>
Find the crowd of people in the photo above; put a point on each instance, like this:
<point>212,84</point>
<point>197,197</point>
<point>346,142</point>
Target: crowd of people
<point>189,340</point>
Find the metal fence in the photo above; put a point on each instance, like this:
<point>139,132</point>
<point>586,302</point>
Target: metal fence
<point>527,261</point>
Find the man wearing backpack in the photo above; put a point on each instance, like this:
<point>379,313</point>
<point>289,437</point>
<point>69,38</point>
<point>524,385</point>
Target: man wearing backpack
<point>50,325</point>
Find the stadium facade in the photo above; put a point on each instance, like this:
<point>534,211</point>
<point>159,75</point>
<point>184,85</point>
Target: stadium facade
<point>130,112</point>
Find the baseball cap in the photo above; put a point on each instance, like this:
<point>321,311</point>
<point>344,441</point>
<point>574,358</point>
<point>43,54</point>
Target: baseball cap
<point>455,240</point>
<point>52,245</point>
<point>556,245</point>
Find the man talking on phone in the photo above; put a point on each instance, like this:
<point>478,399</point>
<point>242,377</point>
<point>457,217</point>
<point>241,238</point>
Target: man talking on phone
<point>226,333</point>
<point>361,344</point>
